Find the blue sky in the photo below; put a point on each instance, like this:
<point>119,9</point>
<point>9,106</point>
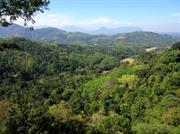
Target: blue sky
<point>150,15</point>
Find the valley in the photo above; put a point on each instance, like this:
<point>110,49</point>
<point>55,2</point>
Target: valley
<point>87,89</point>
<point>89,67</point>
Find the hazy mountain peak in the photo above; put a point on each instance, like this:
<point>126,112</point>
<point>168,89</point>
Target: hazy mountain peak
<point>111,31</point>
<point>102,30</point>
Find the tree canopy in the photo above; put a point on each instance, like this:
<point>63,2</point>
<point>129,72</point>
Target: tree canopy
<point>11,10</point>
<point>49,88</point>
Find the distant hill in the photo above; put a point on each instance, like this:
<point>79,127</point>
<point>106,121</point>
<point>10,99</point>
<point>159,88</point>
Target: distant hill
<point>174,34</point>
<point>149,38</point>
<point>75,29</point>
<point>61,36</point>
<point>47,34</point>
<point>112,31</point>
<point>14,30</point>
<point>102,30</point>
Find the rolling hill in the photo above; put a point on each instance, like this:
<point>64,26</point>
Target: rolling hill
<point>60,36</point>
<point>102,30</point>
<point>65,89</point>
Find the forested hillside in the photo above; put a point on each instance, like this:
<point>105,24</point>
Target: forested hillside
<point>59,36</point>
<point>49,88</point>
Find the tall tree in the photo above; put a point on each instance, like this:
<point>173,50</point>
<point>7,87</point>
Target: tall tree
<point>11,10</point>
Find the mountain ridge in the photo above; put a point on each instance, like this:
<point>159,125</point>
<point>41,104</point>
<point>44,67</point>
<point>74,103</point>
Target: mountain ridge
<point>102,30</point>
<point>60,36</point>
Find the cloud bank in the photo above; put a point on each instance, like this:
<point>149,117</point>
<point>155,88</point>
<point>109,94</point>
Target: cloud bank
<point>61,20</point>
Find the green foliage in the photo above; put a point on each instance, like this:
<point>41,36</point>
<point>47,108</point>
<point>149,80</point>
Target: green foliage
<point>63,89</point>
<point>60,111</point>
<point>128,80</point>
<point>8,45</point>
<point>146,94</point>
<point>145,128</point>
<point>113,123</point>
<point>176,45</point>
<point>35,120</point>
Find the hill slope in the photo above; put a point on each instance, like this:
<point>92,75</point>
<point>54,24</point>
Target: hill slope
<point>60,36</point>
<point>139,98</point>
<point>60,89</point>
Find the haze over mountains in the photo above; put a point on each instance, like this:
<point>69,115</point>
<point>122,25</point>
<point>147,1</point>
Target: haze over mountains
<point>102,30</point>
<point>125,35</point>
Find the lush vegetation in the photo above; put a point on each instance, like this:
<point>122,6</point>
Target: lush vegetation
<point>55,89</point>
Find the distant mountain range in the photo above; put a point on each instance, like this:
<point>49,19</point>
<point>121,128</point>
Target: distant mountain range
<point>112,31</point>
<point>102,30</point>
<point>63,37</point>
<point>174,34</point>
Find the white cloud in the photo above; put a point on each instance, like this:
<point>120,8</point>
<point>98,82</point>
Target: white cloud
<point>46,19</point>
<point>95,23</point>
<point>62,20</point>
<point>53,20</point>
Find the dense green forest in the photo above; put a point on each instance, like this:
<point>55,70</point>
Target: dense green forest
<point>50,88</point>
